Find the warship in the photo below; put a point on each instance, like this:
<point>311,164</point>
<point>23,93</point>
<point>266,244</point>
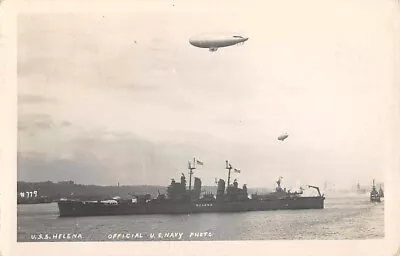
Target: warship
<point>374,194</point>
<point>381,193</point>
<point>360,190</point>
<point>180,200</point>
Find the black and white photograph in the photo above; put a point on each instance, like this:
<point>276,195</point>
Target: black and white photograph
<point>212,125</point>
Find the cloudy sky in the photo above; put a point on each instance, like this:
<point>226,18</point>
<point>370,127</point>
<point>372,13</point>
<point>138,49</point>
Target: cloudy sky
<point>111,97</point>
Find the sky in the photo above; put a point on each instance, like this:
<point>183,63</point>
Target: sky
<point>109,97</point>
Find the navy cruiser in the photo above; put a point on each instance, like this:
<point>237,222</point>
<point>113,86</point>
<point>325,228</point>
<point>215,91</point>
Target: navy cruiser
<point>182,200</point>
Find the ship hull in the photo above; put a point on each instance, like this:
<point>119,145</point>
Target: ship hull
<point>80,209</point>
<point>375,200</point>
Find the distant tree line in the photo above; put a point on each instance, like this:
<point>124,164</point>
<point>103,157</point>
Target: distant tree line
<point>70,190</point>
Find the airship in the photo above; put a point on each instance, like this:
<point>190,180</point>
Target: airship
<point>215,41</point>
<point>283,137</point>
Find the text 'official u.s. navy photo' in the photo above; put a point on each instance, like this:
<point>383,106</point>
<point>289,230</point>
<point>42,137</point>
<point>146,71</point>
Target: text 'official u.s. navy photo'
<point>164,126</point>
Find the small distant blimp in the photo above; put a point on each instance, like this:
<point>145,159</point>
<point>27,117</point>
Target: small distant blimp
<point>215,41</point>
<point>283,137</point>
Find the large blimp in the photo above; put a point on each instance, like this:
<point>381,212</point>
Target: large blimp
<point>215,41</point>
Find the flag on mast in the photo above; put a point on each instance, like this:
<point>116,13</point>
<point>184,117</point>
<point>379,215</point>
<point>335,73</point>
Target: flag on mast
<point>236,170</point>
<point>199,162</point>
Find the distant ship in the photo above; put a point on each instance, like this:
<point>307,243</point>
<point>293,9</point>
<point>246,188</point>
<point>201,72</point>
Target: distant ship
<point>381,193</point>
<point>180,200</point>
<point>374,194</point>
<point>361,190</point>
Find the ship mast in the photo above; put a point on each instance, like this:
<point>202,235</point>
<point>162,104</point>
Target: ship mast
<point>229,168</point>
<point>191,168</point>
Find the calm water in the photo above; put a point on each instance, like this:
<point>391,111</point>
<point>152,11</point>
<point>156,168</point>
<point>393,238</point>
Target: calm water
<point>343,218</point>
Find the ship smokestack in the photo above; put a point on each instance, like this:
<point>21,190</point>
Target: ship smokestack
<point>197,188</point>
<point>221,188</point>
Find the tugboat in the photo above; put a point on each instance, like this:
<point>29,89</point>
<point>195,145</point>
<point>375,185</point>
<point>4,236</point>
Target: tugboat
<point>180,200</point>
<point>374,194</point>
